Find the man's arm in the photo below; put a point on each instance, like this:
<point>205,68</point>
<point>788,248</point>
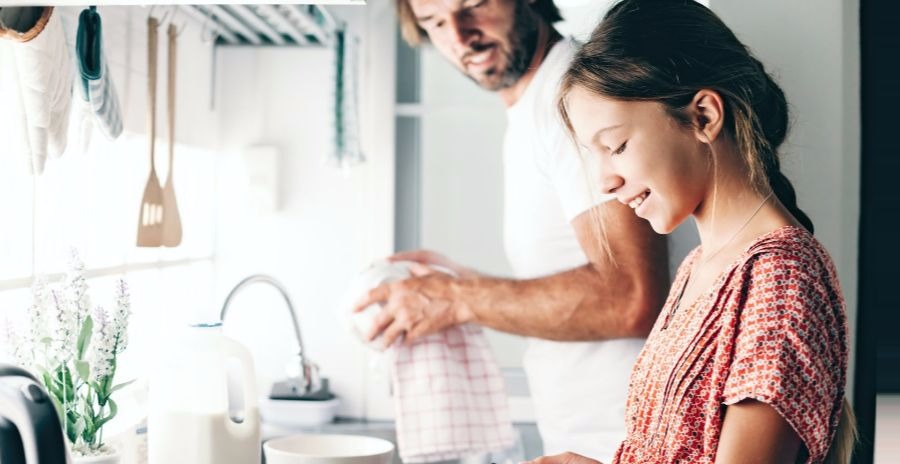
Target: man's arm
<point>613,296</point>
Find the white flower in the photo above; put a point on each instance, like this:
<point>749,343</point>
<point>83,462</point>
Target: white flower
<point>121,316</point>
<point>77,289</point>
<point>37,315</point>
<point>103,345</point>
<point>64,336</point>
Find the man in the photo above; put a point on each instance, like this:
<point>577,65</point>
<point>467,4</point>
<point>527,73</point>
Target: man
<point>586,296</point>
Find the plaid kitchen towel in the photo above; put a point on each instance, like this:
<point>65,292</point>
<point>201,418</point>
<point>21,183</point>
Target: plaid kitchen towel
<point>449,397</point>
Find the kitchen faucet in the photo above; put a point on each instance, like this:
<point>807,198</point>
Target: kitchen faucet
<point>303,375</point>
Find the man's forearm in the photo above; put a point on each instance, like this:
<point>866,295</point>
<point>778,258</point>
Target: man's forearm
<point>579,304</point>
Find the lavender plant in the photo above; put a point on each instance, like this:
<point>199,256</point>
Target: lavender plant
<point>73,348</point>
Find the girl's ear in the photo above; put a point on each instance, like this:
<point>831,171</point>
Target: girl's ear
<point>707,112</point>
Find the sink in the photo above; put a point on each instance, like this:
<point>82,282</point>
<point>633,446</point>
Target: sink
<point>527,435</point>
<point>328,449</point>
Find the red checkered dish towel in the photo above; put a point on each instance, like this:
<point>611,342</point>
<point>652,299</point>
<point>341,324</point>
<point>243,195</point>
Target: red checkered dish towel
<point>449,397</point>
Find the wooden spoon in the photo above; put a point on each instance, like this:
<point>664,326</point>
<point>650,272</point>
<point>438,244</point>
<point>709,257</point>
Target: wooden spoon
<point>151,214</point>
<point>171,219</point>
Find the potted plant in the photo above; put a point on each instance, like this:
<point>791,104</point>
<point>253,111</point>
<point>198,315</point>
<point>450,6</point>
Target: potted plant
<point>73,348</point>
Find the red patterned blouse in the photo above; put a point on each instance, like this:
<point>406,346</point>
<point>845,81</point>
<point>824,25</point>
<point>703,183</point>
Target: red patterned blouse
<point>773,328</point>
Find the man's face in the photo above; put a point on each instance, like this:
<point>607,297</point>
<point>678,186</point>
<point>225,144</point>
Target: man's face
<point>490,41</point>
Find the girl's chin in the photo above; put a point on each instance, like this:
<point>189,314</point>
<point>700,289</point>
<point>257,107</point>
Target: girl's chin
<point>664,226</point>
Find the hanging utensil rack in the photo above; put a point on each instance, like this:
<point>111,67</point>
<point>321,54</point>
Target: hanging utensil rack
<point>266,25</point>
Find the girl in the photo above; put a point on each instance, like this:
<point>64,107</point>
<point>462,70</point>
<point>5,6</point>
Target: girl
<point>747,361</point>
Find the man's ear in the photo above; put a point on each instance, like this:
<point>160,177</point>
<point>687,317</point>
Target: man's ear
<point>707,112</point>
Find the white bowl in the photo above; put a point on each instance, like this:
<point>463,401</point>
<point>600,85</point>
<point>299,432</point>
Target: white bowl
<point>328,449</point>
<point>298,413</point>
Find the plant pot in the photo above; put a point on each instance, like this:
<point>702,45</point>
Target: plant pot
<point>113,458</point>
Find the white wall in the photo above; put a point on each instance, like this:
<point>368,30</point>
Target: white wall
<point>331,223</point>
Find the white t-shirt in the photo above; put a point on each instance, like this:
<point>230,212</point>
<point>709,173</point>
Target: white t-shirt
<point>578,388</point>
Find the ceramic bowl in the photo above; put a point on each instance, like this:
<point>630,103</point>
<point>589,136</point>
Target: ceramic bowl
<point>328,449</point>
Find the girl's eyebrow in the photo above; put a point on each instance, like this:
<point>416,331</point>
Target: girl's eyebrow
<point>596,138</point>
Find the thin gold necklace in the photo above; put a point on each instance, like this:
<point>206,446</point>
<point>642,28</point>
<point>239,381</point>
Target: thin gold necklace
<point>706,259</point>
<point>733,236</point>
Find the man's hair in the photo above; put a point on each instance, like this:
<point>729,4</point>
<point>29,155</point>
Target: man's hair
<point>415,35</point>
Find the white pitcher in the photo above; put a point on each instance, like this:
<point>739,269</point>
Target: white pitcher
<point>200,412</point>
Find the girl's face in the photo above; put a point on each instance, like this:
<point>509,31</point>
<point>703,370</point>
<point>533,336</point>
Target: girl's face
<point>647,159</point>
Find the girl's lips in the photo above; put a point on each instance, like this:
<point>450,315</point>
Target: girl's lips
<point>636,201</point>
<point>642,205</point>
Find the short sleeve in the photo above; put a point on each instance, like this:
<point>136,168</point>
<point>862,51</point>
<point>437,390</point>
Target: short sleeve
<point>790,348</point>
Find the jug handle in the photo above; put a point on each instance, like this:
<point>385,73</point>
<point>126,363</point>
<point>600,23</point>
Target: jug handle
<point>234,349</point>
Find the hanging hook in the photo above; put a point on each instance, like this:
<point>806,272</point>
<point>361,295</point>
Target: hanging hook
<point>165,17</point>
<point>213,33</point>
<point>178,29</point>
<point>159,21</point>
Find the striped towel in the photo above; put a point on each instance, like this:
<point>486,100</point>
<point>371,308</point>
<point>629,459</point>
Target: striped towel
<point>96,84</point>
<point>449,397</point>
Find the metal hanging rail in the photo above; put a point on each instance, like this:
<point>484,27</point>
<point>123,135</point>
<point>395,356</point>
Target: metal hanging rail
<point>267,25</point>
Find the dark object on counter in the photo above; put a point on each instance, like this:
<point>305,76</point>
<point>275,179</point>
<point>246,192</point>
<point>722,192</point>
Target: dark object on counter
<point>284,391</point>
<point>30,431</point>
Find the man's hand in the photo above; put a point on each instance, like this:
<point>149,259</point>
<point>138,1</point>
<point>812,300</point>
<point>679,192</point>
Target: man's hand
<point>421,305</point>
<point>565,458</point>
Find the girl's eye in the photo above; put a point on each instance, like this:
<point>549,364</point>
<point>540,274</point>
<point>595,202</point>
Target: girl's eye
<point>620,150</point>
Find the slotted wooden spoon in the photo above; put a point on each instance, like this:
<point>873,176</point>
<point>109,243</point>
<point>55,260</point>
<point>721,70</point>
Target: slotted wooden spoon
<point>171,236</point>
<point>150,220</point>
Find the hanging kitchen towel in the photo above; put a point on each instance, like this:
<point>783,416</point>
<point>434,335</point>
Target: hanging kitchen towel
<point>449,397</point>
<point>96,83</point>
<point>39,77</point>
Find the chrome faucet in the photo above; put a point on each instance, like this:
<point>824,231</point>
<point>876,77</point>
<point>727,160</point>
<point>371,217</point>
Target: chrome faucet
<point>303,375</point>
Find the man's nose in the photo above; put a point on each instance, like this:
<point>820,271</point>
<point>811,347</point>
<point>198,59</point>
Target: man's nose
<point>462,31</point>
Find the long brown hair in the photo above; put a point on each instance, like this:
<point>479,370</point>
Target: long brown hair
<point>666,51</point>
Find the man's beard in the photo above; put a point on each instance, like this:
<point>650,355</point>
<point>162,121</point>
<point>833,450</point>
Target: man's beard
<point>522,41</point>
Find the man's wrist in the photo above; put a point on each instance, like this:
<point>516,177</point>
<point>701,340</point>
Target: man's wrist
<point>463,294</point>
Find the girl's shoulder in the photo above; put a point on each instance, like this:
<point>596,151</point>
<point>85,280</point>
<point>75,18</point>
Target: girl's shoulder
<point>788,249</point>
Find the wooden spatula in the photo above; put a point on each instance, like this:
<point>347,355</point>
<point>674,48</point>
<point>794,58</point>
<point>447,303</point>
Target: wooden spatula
<point>150,231</point>
<point>171,220</point>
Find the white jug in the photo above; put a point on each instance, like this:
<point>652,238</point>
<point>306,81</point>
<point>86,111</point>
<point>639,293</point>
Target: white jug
<point>199,411</point>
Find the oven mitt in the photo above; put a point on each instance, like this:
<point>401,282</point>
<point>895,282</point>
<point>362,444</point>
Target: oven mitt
<point>39,94</point>
<point>96,83</point>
